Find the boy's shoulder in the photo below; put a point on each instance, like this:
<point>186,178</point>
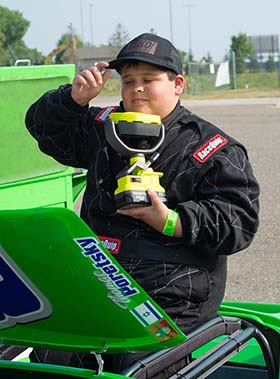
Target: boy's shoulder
<point>211,138</point>
<point>100,114</point>
<point>203,127</point>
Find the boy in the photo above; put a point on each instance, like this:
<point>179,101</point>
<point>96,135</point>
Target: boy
<point>212,194</point>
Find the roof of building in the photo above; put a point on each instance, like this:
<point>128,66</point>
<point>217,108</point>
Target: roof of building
<point>97,53</point>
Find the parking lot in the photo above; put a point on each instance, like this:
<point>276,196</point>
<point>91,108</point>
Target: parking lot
<point>253,274</point>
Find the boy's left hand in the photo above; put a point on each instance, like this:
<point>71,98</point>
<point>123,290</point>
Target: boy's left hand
<point>153,215</point>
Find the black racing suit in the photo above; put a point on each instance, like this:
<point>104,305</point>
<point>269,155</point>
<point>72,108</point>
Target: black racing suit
<point>207,178</point>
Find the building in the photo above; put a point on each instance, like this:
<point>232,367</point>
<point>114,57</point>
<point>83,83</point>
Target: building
<point>88,56</point>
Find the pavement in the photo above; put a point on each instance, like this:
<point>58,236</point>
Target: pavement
<point>253,274</point>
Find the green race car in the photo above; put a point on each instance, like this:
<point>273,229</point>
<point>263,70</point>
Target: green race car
<point>60,288</point>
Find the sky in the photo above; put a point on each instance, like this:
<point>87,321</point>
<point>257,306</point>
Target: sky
<point>204,26</point>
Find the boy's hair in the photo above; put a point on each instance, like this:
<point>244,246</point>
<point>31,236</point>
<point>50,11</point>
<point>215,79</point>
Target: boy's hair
<point>126,64</point>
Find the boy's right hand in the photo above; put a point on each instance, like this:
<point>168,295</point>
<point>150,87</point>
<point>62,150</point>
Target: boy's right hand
<point>88,83</point>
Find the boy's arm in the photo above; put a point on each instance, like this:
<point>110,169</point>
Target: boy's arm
<point>224,217</point>
<point>60,124</point>
<point>154,215</point>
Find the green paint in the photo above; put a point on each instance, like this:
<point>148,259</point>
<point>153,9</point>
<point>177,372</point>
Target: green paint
<point>29,178</point>
<point>90,306</point>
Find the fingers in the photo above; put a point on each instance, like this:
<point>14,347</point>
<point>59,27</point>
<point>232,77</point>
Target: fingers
<point>155,200</point>
<point>101,65</point>
<point>135,212</point>
<point>156,203</point>
<point>92,77</point>
<point>154,215</point>
<point>88,83</point>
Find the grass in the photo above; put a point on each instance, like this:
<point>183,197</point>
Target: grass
<point>261,84</point>
<point>236,94</point>
<point>260,80</point>
<point>112,87</point>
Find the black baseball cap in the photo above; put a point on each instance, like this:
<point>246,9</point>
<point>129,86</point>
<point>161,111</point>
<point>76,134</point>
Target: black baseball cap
<point>149,48</point>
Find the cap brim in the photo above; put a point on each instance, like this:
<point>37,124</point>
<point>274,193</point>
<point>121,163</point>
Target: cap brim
<point>117,63</point>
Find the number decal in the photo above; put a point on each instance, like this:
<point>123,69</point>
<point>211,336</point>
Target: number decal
<point>20,300</point>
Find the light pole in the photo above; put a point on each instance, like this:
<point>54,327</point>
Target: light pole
<point>189,6</point>
<point>90,22</point>
<point>171,21</point>
<point>82,20</point>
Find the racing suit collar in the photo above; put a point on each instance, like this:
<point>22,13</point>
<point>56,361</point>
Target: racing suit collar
<point>168,120</point>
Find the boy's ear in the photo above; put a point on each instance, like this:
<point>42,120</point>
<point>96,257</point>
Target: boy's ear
<point>179,84</point>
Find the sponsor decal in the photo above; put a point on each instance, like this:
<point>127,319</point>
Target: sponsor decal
<point>163,330</point>
<point>104,113</point>
<point>209,148</point>
<point>111,244</point>
<point>21,302</point>
<point>146,313</point>
<point>119,286</point>
<point>143,46</point>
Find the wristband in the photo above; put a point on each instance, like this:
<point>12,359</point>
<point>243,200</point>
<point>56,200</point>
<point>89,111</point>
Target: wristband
<point>170,223</point>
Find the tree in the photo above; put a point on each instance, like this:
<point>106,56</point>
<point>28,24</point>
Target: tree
<point>270,65</point>
<point>243,49</point>
<point>119,38</point>
<point>183,56</point>
<point>190,56</point>
<point>21,51</point>
<point>189,60</point>
<point>12,30</point>
<point>2,51</point>
<point>254,64</point>
<point>72,40</point>
<point>13,26</point>
<point>209,58</point>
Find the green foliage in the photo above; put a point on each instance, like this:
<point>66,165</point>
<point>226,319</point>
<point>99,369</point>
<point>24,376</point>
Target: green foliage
<point>2,36</point>
<point>12,30</point>
<point>205,84</point>
<point>259,80</point>
<point>23,52</point>
<point>243,49</point>
<point>270,64</point>
<point>254,65</point>
<point>209,58</point>
<point>69,39</point>
<point>119,38</point>
<point>112,87</point>
<point>183,56</point>
<point>188,62</point>
<point>190,57</point>
<point>66,38</point>
<point>12,26</point>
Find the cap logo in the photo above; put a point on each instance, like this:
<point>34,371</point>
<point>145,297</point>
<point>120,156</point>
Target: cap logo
<point>143,46</point>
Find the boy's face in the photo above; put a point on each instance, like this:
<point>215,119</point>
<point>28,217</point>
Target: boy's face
<point>147,89</point>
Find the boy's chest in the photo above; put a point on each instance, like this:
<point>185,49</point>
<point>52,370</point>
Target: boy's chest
<point>173,162</point>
